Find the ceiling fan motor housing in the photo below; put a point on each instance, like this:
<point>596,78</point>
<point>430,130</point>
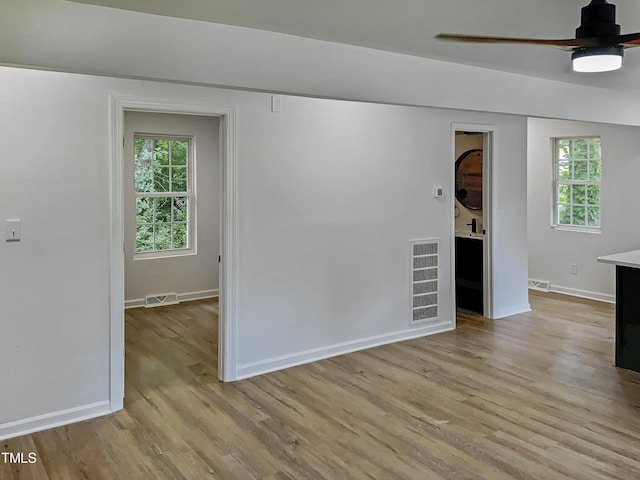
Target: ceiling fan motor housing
<point>598,20</point>
<point>602,51</point>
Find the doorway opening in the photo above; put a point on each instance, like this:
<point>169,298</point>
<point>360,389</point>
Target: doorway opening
<point>225,258</point>
<point>472,218</point>
<point>172,233</point>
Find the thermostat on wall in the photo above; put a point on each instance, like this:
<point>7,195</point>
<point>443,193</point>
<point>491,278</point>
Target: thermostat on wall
<point>438,192</point>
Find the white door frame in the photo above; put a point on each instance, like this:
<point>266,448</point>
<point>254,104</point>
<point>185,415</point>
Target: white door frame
<point>228,245</point>
<point>488,132</point>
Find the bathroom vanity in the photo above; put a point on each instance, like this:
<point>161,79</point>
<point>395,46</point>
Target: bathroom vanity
<point>469,274</point>
<point>627,308</point>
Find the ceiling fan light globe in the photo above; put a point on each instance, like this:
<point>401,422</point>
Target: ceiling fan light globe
<point>591,60</point>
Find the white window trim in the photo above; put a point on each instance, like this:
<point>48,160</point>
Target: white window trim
<point>555,225</point>
<point>191,195</point>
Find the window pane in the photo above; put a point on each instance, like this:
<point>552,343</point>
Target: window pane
<point>161,152</point>
<point>161,179</point>
<point>180,209</point>
<point>178,152</point>
<point>580,170</point>
<point>580,148</point>
<point>564,170</point>
<point>144,238</point>
<point>564,214</point>
<point>564,193</point>
<point>579,195</point>
<point>161,166</point>
<point>579,215</point>
<point>564,149</point>
<point>143,151</point>
<point>594,148</point>
<point>144,210</point>
<point>179,179</point>
<point>595,169</point>
<point>138,143</point>
<point>163,236</point>
<point>143,179</point>
<point>163,209</point>
<point>180,235</point>
<point>593,216</point>
<point>593,194</point>
<point>578,173</point>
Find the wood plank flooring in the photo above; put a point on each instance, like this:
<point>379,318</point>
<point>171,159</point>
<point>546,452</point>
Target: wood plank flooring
<point>533,396</point>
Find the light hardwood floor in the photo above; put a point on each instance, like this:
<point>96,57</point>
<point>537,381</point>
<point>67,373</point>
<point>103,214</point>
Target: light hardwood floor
<point>533,396</point>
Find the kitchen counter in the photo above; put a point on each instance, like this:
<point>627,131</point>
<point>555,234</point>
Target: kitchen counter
<point>626,259</point>
<point>627,307</point>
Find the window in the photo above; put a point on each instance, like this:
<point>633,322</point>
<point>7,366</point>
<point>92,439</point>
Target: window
<point>164,195</point>
<point>578,170</point>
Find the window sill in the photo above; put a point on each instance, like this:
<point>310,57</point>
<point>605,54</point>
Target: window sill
<point>571,228</point>
<point>164,254</point>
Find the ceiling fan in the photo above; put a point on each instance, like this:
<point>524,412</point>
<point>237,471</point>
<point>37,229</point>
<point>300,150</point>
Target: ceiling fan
<point>598,46</point>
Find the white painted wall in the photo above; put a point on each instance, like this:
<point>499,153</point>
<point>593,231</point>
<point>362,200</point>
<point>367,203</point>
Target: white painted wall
<point>330,194</point>
<point>68,36</point>
<point>181,274</point>
<point>551,252</point>
<point>348,202</point>
<point>509,212</point>
<point>54,286</point>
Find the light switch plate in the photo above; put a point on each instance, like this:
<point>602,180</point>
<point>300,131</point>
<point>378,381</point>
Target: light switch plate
<point>13,230</point>
<point>438,192</point>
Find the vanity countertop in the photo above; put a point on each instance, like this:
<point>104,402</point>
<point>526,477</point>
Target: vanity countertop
<point>624,259</point>
<point>467,234</point>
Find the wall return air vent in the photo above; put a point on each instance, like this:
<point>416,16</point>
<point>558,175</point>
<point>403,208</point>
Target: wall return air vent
<point>424,280</point>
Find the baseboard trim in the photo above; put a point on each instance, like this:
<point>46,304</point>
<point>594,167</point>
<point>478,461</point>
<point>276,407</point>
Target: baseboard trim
<point>182,297</point>
<point>201,295</point>
<point>53,419</point>
<point>576,292</point>
<point>507,312</point>
<point>286,361</point>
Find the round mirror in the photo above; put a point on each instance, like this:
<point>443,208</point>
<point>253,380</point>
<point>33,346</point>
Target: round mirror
<point>469,179</point>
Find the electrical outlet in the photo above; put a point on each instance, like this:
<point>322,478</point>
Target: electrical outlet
<point>574,269</point>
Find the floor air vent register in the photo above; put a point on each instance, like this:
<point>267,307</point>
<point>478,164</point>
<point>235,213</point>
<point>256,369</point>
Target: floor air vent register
<point>161,299</point>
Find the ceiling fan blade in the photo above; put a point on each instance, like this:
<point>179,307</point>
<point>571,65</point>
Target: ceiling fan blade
<point>598,35</point>
<point>629,40</point>
<point>566,43</point>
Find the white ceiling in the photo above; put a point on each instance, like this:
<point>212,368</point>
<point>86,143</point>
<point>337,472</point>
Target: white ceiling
<point>408,26</point>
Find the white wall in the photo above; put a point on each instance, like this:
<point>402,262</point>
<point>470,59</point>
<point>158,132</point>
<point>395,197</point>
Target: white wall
<point>348,185</point>
<point>197,274</point>
<point>68,36</point>
<point>54,286</point>
<point>509,240</point>
<point>329,195</point>
<point>551,252</point>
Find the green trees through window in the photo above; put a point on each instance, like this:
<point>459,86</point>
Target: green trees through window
<point>578,171</point>
<point>163,193</point>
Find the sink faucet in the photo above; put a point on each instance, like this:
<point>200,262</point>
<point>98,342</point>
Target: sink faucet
<point>473,225</point>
